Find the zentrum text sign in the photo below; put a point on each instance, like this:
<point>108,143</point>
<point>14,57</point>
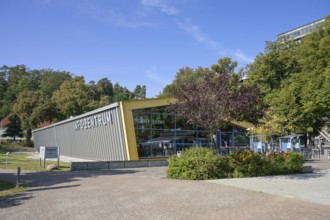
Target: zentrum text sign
<point>99,120</point>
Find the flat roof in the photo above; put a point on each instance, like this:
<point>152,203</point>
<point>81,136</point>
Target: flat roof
<point>316,21</point>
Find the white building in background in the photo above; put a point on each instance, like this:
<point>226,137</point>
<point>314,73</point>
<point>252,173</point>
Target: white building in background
<point>300,32</point>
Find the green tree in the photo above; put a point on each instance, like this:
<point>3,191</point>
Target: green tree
<point>104,87</point>
<point>3,89</point>
<point>140,92</point>
<point>121,93</point>
<point>186,74</point>
<point>14,77</point>
<point>271,70</point>
<point>104,91</point>
<point>294,79</point>
<point>50,81</point>
<point>13,128</point>
<point>305,98</point>
<point>33,108</point>
<point>74,97</point>
<point>225,66</point>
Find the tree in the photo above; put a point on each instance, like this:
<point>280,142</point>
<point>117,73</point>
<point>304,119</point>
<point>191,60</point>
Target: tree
<point>33,108</point>
<point>50,81</point>
<point>13,128</point>
<point>104,87</point>
<point>3,89</point>
<point>140,92</point>
<point>121,93</point>
<point>214,100</point>
<point>270,70</point>
<point>14,77</point>
<point>225,66</point>
<point>74,97</point>
<point>104,91</point>
<point>184,74</point>
<point>295,80</point>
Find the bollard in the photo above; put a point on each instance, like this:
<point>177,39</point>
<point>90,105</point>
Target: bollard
<point>18,175</point>
<point>328,154</point>
<point>7,158</point>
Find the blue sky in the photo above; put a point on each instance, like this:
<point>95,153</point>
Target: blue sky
<point>143,41</point>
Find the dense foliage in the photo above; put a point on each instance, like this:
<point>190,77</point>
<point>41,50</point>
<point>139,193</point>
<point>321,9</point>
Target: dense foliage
<point>194,164</point>
<point>201,163</point>
<point>294,78</point>
<point>211,98</point>
<point>45,95</point>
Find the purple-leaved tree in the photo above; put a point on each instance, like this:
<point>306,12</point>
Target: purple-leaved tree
<point>215,99</point>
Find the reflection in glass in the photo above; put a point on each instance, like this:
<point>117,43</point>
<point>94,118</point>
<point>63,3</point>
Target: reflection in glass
<point>161,134</point>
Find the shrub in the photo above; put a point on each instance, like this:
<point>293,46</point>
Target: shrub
<point>294,162</point>
<point>285,163</point>
<point>194,164</point>
<point>276,163</point>
<point>200,163</point>
<point>247,163</point>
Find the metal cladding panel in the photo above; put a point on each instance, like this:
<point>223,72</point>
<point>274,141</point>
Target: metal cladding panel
<point>98,135</point>
<point>46,138</point>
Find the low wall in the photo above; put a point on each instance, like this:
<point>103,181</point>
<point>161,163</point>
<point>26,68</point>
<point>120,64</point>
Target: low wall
<point>98,165</point>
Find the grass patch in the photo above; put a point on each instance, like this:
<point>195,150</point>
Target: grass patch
<point>14,148</point>
<point>7,189</point>
<point>25,163</point>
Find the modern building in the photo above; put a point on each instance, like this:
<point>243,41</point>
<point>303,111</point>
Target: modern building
<point>299,32</point>
<point>131,130</point>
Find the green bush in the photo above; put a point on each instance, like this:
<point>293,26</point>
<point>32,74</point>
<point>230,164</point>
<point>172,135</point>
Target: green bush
<point>201,163</point>
<point>194,164</point>
<point>247,163</point>
<point>285,163</point>
<point>276,163</point>
<point>293,162</point>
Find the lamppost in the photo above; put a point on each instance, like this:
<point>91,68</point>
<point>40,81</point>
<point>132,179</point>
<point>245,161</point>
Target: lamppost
<point>251,139</point>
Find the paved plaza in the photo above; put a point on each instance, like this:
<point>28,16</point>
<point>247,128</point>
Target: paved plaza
<point>146,193</point>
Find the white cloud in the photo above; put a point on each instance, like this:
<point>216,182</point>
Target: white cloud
<point>161,5</point>
<point>241,56</point>
<point>197,34</point>
<point>153,75</point>
<point>113,15</point>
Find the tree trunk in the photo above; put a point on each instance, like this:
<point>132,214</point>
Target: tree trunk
<point>28,136</point>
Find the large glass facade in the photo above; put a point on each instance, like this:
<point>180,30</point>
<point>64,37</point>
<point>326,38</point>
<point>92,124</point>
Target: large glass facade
<point>161,134</point>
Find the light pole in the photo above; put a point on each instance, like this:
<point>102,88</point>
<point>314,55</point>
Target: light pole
<point>251,139</point>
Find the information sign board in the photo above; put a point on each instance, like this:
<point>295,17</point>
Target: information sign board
<point>51,152</point>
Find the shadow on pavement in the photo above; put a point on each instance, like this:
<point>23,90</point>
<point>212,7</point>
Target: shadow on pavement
<point>34,179</point>
<point>14,200</point>
<point>48,180</point>
<point>52,188</point>
<point>304,176</point>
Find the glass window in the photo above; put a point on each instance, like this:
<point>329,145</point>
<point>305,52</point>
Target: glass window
<point>161,134</point>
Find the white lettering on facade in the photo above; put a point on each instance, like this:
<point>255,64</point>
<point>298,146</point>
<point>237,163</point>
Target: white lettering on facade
<point>147,121</point>
<point>104,119</point>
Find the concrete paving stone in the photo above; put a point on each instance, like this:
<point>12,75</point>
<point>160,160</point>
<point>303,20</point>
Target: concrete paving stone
<point>155,163</point>
<point>146,193</point>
